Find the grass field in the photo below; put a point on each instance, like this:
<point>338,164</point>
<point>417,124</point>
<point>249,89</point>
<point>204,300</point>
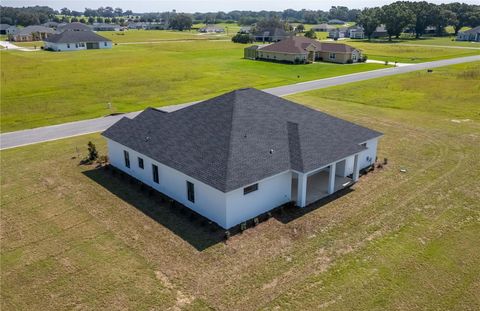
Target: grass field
<point>77,237</point>
<point>408,54</point>
<point>42,88</point>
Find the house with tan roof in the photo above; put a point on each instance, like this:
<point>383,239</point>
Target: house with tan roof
<point>301,50</point>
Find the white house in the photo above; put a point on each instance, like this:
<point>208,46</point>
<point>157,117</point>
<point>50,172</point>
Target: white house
<point>241,154</point>
<point>70,40</point>
<point>469,35</point>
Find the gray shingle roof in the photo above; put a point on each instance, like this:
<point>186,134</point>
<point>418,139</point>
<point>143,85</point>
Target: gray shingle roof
<point>76,36</point>
<point>225,141</point>
<point>299,44</point>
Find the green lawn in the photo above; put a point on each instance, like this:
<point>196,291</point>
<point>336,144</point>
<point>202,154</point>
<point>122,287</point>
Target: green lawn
<point>42,88</point>
<point>76,237</point>
<point>426,40</point>
<point>408,54</point>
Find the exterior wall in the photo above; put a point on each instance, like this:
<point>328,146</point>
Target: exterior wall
<point>209,202</point>
<point>341,58</point>
<point>74,46</point>
<point>272,192</point>
<point>365,158</point>
<point>285,57</point>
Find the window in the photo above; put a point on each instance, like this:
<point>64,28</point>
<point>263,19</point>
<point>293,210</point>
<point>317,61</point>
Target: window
<point>127,158</point>
<point>68,45</point>
<point>249,189</point>
<point>140,163</point>
<point>364,145</point>
<point>354,56</point>
<point>76,45</point>
<point>191,192</point>
<point>332,55</point>
<point>155,173</point>
<point>104,43</point>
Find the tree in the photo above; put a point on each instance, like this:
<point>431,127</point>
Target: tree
<point>100,19</point>
<point>181,22</point>
<point>463,15</point>
<point>311,34</point>
<point>92,151</point>
<point>269,23</point>
<point>65,11</point>
<point>396,17</point>
<point>242,38</point>
<point>369,19</point>
<point>73,20</point>
<point>338,12</point>
<point>82,20</point>
<point>300,28</point>
<point>118,12</point>
<point>423,16</point>
<point>442,17</point>
<point>310,17</point>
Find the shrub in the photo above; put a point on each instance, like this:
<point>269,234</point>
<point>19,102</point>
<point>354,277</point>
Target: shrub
<point>242,38</point>
<point>349,61</point>
<point>311,34</point>
<point>243,226</point>
<point>92,151</point>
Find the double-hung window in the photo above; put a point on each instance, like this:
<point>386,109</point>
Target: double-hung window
<point>140,163</point>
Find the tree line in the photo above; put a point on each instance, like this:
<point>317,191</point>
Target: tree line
<point>417,16</point>
<point>396,16</point>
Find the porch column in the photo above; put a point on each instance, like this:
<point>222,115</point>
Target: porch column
<point>356,168</point>
<point>331,178</point>
<point>302,190</point>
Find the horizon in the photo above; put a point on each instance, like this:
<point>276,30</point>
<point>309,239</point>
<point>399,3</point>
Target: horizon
<point>192,6</point>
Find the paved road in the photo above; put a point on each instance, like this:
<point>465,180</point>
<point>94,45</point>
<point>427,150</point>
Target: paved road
<point>42,134</point>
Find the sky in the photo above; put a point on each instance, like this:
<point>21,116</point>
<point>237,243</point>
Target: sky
<point>190,6</point>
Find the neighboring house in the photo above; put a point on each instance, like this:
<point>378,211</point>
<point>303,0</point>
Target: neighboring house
<point>323,27</point>
<point>30,33</point>
<point>300,50</point>
<point>355,32</point>
<point>76,40</point>
<point>105,27</point>
<point>380,32</point>
<point>75,26</point>
<point>211,29</point>
<point>239,155</point>
<point>469,35</point>
<point>337,33</point>
<point>270,35</point>
<point>148,26</point>
<point>11,30</point>
<point>336,22</point>
<point>3,28</point>
<point>245,30</point>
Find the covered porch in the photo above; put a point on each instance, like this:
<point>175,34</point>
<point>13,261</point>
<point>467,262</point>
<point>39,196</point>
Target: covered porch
<point>315,185</point>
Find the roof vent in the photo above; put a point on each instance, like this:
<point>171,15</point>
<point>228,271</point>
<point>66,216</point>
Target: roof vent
<point>147,138</point>
<point>271,151</point>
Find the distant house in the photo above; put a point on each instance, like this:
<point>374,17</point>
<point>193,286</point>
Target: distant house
<point>336,22</point>
<point>323,27</point>
<point>337,33</point>
<point>380,32</point>
<point>469,35</point>
<point>300,50</point>
<point>355,32</point>
<point>241,154</point>
<point>245,30</point>
<point>211,29</point>
<point>105,27</point>
<point>30,33</point>
<point>148,26</point>
<point>6,29</point>
<point>270,35</point>
<point>75,26</point>
<point>76,40</point>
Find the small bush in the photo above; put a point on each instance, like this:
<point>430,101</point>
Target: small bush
<point>349,61</point>
<point>92,151</point>
<point>242,38</point>
<point>227,235</point>
<point>243,226</point>
<point>255,221</point>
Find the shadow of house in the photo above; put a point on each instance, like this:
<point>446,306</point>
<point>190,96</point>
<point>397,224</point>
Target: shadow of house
<point>186,224</point>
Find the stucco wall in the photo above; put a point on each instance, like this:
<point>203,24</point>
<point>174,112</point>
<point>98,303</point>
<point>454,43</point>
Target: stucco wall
<point>365,158</point>
<point>272,192</point>
<point>281,56</point>
<point>74,46</point>
<point>209,201</point>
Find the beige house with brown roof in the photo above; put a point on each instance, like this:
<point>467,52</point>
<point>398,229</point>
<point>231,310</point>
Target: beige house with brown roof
<point>300,50</point>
